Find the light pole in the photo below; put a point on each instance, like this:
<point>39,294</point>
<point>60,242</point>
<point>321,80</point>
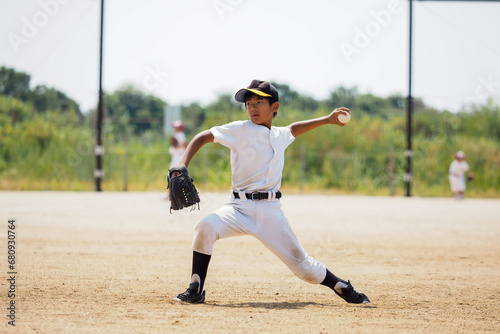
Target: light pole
<point>99,149</point>
<point>409,105</point>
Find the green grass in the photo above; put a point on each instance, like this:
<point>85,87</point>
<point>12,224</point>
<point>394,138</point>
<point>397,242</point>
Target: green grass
<point>49,152</point>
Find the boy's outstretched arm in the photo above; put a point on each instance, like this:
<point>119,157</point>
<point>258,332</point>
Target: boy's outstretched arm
<point>194,146</point>
<point>302,127</point>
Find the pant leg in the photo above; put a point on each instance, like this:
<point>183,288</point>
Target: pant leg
<point>265,221</point>
<point>275,233</point>
<point>233,219</point>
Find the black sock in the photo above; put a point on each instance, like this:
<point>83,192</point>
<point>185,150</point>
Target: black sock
<point>200,267</point>
<point>331,280</point>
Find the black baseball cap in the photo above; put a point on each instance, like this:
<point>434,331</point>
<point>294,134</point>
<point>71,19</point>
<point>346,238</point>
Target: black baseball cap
<point>259,87</point>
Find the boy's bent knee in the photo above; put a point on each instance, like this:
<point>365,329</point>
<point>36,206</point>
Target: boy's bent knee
<point>206,234</point>
<point>310,270</point>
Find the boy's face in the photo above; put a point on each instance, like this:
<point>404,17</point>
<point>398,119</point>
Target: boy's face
<point>260,111</point>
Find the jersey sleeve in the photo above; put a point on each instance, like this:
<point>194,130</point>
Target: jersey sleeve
<point>289,138</point>
<point>227,134</point>
<point>283,137</point>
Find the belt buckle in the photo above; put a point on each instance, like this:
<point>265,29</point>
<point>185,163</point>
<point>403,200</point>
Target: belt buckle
<point>252,196</point>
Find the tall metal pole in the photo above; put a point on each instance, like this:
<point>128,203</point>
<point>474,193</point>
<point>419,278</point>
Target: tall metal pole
<point>99,149</point>
<point>409,105</point>
<point>409,110</point>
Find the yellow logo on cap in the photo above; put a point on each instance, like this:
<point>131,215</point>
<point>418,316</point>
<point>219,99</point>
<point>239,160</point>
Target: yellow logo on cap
<point>258,92</point>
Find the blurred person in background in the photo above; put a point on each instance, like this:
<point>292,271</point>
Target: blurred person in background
<point>458,168</point>
<point>178,143</point>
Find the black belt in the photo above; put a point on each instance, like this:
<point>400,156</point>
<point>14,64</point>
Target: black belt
<point>256,196</point>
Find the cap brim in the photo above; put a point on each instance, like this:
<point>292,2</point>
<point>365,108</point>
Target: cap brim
<point>240,95</point>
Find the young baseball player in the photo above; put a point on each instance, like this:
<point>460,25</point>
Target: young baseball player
<point>257,159</point>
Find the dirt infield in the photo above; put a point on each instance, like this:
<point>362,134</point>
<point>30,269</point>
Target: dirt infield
<point>111,262</point>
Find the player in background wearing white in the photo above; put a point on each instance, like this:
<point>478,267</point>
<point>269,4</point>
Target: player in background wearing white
<point>257,160</point>
<point>458,168</point>
<point>178,143</point>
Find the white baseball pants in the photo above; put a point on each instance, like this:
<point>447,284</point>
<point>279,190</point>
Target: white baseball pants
<point>265,221</point>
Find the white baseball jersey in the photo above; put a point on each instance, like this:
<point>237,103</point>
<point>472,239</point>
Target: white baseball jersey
<point>257,160</point>
<point>257,154</point>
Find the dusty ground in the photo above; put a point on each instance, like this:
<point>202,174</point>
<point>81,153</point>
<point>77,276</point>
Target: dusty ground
<point>111,262</point>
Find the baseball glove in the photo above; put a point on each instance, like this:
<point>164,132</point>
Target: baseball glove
<point>470,177</point>
<point>182,191</point>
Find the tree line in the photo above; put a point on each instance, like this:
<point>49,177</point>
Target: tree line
<point>47,143</point>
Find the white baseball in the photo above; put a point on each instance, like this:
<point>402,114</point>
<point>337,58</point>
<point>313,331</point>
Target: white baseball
<point>344,118</point>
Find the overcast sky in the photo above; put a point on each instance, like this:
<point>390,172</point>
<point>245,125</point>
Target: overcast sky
<point>193,50</point>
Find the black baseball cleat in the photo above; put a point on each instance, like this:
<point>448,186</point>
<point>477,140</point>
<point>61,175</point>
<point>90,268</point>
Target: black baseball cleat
<point>351,295</point>
<point>191,295</point>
